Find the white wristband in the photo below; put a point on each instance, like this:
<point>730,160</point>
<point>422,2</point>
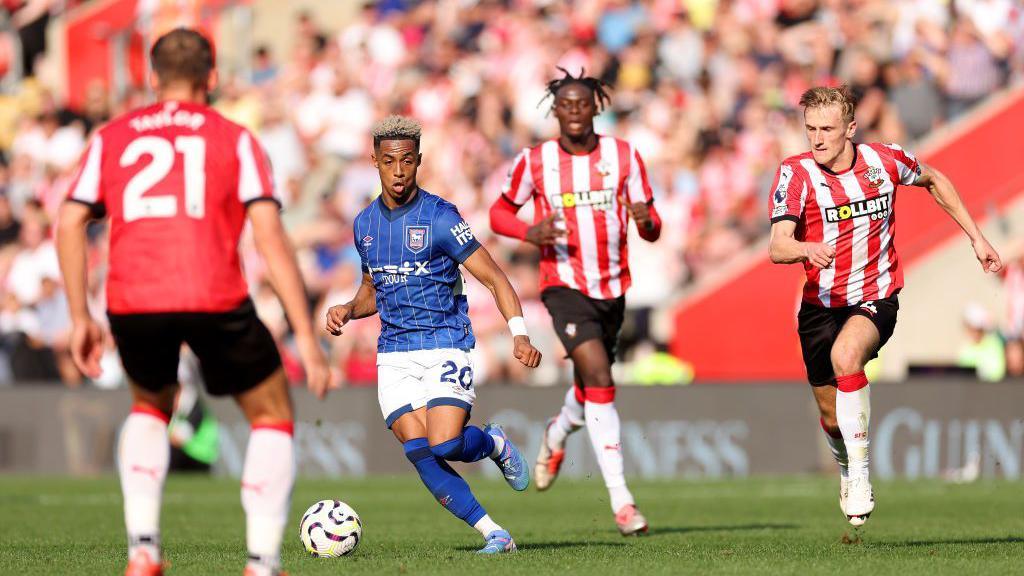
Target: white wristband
<point>517,325</point>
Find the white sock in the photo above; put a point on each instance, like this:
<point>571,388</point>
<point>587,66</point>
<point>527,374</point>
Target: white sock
<point>569,420</point>
<point>853,413</point>
<point>485,526</point>
<point>838,448</point>
<point>143,454</point>
<point>267,480</point>
<point>499,446</point>
<point>603,428</point>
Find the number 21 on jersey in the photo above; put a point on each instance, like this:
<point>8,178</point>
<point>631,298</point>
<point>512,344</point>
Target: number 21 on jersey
<point>162,156</point>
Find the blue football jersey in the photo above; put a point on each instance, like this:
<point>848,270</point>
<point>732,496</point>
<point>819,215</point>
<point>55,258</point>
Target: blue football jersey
<point>413,253</point>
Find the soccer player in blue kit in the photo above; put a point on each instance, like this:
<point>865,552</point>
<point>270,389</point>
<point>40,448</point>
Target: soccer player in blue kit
<point>411,244</point>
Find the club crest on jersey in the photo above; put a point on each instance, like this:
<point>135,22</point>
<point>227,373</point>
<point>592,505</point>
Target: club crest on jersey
<point>876,208</point>
<point>604,167</point>
<point>416,238</point>
<point>874,177</point>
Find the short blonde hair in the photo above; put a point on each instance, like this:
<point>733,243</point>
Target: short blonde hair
<point>822,96</point>
<point>396,127</point>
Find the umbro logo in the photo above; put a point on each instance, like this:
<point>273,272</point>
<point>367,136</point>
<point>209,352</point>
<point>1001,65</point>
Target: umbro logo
<point>367,240</point>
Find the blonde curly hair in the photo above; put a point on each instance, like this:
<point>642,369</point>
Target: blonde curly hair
<point>396,127</point>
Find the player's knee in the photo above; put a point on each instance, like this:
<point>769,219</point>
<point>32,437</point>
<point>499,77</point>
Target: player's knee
<point>596,379</point>
<point>846,361</point>
<point>449,449</point>
<point>269,413</point>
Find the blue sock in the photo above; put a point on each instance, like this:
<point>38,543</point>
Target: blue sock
<point>444,483</point>
<point>472,445</point>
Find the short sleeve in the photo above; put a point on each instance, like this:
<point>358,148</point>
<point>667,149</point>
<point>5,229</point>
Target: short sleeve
<point>255,178</point>
<point>361,240</point>
<point>86,186</point>
<point>638,187</point>
<point>452,234</point>
<point>787,195</point>
<point>518,186</point>
<point>908,169</point>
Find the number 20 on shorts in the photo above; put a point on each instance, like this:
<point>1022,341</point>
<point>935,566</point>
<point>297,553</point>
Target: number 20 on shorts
<point>454,375</point>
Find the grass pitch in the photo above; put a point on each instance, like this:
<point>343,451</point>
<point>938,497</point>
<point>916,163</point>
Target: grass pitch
<point>750,526</point>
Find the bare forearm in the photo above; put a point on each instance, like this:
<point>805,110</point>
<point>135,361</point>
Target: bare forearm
<point>486,270</point>
<point>948,199</point>
<point>284,276</point>
<point>505,297</point>
<point>71,252</point>
<point>787,250</point>
<point>364,304</point>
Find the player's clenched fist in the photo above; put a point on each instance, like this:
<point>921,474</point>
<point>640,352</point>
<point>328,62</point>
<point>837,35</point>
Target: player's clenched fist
<point>641,214</point>
<point>987,255</point>
<point>545,232</point>
<point>525,352</point>
<point>818,254</point>
<point>337,317</point>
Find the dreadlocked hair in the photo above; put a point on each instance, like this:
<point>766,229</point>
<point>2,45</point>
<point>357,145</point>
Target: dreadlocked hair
<point>596,86</point>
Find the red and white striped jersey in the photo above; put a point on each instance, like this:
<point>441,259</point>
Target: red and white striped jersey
<point>175,179</point>
<point>851,211</point>
<point>591,192</point>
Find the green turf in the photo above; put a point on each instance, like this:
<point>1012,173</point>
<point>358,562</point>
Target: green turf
<point>753,526</point>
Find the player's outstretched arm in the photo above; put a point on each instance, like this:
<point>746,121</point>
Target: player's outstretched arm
<point>86,335</point>
<point>362,305</point>
<point>946,196</point>
<point>784,248</point>
<point>483,268</point>
<point>283,271</point>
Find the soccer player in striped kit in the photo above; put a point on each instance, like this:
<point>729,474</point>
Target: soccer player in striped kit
<point>832,210</point>
<point>584,187</point>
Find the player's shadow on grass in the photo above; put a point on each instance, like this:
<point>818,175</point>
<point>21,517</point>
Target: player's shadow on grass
<point>994,540</point>
<point>559,545</point>
<point>722,528</point>
<point>725,528</point>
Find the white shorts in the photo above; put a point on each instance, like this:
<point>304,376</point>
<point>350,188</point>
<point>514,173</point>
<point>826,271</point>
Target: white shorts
<point>408,381</point>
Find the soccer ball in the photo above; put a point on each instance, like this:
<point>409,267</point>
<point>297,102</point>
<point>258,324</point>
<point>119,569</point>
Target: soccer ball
<point>330,528</point>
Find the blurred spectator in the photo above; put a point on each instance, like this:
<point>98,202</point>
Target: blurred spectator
<point>264,70</point>
<point>983,350</point>
<point>706,90</point>
<point>30,18</point>
<point>1013,280</point>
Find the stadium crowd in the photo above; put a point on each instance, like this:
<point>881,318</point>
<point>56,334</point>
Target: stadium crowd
<point>706,90</point>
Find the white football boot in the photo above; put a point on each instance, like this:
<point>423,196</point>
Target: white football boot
<point>844,491</point>
<point>860,500</point>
